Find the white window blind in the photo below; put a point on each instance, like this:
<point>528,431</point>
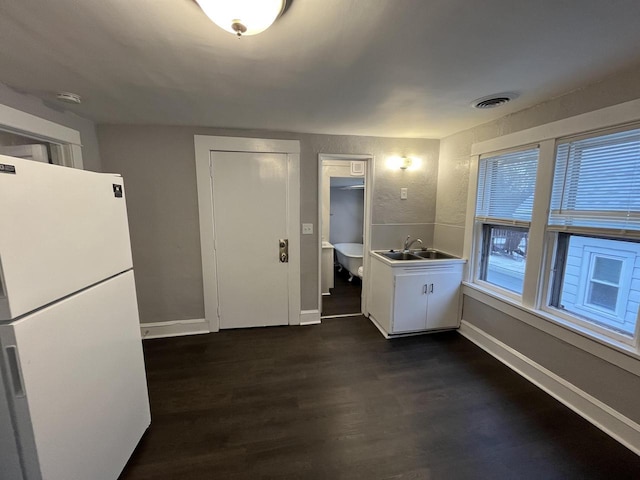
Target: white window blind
<point>506,186</point>
<point>597,184</point>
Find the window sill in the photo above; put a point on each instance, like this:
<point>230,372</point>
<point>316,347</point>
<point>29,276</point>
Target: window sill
<point>622,355</point>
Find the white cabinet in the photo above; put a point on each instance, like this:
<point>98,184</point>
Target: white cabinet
<point>424,301</point>
<point>415,297</point>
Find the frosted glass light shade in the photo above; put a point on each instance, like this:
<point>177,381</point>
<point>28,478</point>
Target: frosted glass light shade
<point>255,15</point>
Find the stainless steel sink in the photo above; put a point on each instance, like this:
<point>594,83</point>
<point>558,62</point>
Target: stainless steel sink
<point>400,256</point>
<point>432,255</point>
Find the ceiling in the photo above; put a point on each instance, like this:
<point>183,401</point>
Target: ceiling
<point>396,68</point>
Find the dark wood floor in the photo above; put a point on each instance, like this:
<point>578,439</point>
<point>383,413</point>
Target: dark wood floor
<point>345,296</point>
<point>338,401</point>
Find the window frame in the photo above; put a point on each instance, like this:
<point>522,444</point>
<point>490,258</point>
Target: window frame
<point>479,224</point>
<point>531,307</point>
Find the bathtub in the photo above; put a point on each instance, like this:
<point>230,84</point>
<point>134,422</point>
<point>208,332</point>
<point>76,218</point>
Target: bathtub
<point>350,257</point>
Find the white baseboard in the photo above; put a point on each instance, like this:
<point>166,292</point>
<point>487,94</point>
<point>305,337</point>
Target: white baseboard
<point>176,328</point>
<point>309,317</point>
<point>610,421</point>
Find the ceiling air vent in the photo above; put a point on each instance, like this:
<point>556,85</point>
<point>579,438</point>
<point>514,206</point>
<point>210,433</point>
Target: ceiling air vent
<point>492,101</point>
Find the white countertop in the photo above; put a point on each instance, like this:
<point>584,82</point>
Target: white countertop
<point>427,261</point>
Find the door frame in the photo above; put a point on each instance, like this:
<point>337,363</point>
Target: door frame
<point>368,203</point>
<point>204,145</point>
<point>67,139</point>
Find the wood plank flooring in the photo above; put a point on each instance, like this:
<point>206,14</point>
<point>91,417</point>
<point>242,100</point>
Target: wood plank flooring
<point>345,296</point>
<point>338,401</point>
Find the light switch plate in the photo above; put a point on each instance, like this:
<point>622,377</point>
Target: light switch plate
<point>307,228</point>
<point>404,192</point>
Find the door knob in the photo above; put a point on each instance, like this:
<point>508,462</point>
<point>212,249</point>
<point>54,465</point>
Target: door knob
<point>283,246</point>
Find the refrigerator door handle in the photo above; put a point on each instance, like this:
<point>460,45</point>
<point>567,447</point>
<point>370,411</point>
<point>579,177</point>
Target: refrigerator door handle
<point>3,293</point>
<point>14,371</point>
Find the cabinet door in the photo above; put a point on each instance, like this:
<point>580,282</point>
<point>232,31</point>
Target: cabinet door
<point>410,303</point>
<point>442,310</point>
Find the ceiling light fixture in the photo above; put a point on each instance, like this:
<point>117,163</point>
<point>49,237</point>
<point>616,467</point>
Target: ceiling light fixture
<point>243,17</point>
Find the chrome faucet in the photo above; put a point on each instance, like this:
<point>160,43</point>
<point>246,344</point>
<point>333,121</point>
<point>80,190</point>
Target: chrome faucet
<point>407,244</point>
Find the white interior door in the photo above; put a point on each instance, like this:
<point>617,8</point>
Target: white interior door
<point>250,217</point>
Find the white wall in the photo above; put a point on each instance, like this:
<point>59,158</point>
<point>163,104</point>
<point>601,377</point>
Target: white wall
<point>347,216</point>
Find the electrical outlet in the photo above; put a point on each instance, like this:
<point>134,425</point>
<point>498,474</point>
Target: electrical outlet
<point>307,228</point>
<point>404,192</point>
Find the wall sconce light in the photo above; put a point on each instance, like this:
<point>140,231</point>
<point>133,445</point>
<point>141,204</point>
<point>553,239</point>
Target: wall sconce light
<point>403,163</point>
<point>243,17</point>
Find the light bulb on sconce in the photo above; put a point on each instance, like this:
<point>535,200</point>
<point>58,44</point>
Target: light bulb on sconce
<point>403,163</point>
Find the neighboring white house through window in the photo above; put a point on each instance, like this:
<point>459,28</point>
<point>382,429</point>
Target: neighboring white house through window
<point>601,282</point>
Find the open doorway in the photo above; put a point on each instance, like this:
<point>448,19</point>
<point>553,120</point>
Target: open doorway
<point>26,136</point>
<point>343,223</point>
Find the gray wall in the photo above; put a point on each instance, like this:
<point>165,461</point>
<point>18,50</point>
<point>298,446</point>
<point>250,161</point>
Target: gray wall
<point>606,382</point>
<point>51,112</point>
<point>455,150</point>
<point>612,385</point>
<point>158,165</point>
<point>347,216</point>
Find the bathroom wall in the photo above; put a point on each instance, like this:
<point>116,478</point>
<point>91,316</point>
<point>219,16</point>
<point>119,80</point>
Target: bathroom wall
<point>347,215</point>
<point>158,164</point>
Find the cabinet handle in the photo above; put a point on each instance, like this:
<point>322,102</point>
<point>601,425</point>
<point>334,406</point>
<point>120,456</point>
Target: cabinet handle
<point>431,288</point>
<point>424,289</point>
<point>14,371</point>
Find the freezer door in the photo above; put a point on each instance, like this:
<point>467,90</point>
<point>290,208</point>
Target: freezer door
<point>61,229</point>
<point>77,383</point>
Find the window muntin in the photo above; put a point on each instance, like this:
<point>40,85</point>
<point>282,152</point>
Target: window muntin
<point>504,206</point>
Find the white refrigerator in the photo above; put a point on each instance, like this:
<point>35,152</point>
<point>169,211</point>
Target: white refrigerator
<point>73,396</point>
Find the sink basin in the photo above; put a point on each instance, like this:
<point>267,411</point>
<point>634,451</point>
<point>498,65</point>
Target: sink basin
<point>400,256</point>
<point>432,255</point>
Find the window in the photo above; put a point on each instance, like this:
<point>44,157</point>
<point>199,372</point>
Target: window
<point>603,285</point>
<point>595,217</point>
<point>506,185</point>
<point>597,281</point>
